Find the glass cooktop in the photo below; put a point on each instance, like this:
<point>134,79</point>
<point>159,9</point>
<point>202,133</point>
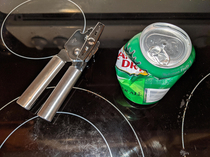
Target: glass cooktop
<point>96,120</point>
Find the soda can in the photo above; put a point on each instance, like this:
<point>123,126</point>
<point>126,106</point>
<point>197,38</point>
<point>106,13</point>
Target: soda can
<point>152,61</point>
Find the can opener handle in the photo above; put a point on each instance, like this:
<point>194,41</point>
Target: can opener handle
<point>78,49</point>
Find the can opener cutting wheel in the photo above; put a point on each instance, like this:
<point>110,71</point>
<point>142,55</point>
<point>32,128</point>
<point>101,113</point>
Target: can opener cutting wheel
<point>78,49</point>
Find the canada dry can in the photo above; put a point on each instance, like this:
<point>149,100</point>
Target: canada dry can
<point>152,61</point>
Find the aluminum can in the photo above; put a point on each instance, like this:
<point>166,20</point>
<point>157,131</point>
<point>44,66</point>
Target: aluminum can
<point>152,61</point>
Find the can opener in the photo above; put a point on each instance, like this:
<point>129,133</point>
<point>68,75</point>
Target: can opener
<point>79,49</point>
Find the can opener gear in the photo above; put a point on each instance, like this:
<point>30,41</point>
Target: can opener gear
<point>78,49</point>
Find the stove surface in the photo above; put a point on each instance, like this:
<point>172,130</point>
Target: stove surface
<point>96,119</point>
<point>155,130</point>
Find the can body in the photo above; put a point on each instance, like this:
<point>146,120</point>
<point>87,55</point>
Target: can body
<point>146,73</point>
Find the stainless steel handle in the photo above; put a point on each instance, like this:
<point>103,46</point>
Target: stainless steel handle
<point>35,89</point>
<point>59,94</point>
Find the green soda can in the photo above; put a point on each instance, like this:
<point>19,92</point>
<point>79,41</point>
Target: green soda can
<point>152,61</point>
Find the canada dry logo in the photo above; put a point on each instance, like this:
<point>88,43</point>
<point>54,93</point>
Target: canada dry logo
<point>130,54</point>
<point>125,64</point>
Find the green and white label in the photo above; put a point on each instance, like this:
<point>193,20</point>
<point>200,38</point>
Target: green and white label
<point>126,65</point>
<point>153,95</point>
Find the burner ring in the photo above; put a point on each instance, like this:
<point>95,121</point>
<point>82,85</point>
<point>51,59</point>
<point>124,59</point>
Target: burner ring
<point>32,58</point>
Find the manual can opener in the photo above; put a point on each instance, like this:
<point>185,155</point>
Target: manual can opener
<point>78,49</point>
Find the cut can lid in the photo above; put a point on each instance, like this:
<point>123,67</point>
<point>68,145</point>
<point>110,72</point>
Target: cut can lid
<point>165,45</point>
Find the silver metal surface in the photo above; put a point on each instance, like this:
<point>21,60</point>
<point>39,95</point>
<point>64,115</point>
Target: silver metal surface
<point>91,40</point>
<point>59,94</point>
<point>165,45</point>
<point>85,45</point>
<point>30,95</point>
<point>94,50</point>
<point>76,42</point>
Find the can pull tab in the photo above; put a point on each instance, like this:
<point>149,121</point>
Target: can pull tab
<point>159,55</point>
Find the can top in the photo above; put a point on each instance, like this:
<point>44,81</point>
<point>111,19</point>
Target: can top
<point>165,45</point>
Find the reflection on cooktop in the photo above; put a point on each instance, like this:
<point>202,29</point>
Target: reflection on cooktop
<point>73,135</point>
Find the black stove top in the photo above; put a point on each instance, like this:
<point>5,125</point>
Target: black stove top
<point>96,119</point>
<point>156,129</point>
